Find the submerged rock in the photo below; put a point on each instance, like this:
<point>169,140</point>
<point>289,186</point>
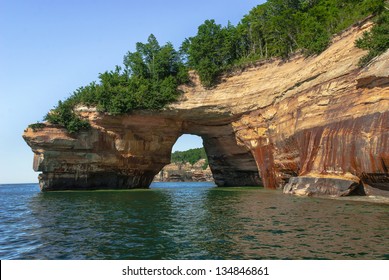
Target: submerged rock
<point>307,186</point>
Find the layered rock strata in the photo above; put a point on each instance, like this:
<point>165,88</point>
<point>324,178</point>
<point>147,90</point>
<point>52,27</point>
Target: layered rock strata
<point>185,172</point>
<point>317,125</point>
<point>128,151</point>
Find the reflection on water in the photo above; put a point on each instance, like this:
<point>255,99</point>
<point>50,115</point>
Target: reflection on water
<point>187,221</point>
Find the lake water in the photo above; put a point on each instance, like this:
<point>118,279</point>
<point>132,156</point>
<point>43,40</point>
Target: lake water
<point>188,221</point>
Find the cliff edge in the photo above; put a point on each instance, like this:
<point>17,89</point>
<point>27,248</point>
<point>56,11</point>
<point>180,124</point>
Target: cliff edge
<point>311,126</point>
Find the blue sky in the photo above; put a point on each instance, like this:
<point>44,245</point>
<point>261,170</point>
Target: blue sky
<point>49,48</point>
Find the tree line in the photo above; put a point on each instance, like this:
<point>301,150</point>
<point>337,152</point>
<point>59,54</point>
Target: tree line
<point>277,28</point>
<point>190,156</point>
<point>148,80</point>
<point>150,75</point>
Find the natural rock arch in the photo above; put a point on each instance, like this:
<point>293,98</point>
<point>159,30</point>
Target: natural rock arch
<point>128,151</point>
<point>316,125</point>
<point>231,164</point>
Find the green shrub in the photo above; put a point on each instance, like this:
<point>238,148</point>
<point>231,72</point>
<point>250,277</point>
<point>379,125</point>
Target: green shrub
<point>65,116</point>
<point>148,81</point>
<point>36,126</point>
<point>377,40</point>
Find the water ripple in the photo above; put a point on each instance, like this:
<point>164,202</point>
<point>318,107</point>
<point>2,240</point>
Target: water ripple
<point>187,221</point>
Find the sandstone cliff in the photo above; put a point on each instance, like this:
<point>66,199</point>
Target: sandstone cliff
<point>317,125</point>
<point>184,172</point>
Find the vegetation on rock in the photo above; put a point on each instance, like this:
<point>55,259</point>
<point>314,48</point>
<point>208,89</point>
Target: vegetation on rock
<point>190,156</point>
<point>36,126</point>
<point>65,116</point>
<point>148,80</point>
<point>377,40</point>
<point>277,28</point>
<point>150,76</point>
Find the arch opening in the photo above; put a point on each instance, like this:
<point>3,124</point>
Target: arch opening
<point>223,161</point>
<point>188,162</point>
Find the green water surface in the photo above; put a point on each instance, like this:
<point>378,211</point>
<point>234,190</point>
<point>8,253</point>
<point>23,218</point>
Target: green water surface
<point>188,221</point>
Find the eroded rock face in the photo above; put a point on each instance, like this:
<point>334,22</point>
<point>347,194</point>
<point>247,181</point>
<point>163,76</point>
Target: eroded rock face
<point>128,151</point>
<point>312,126</point>
<point>185,172</point>
<point>106,156</point>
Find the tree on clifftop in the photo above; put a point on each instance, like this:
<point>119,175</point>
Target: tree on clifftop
<point>148,81</point>
<point>151,61</point>
<point>377,40</point>
<point>277,28</point>
<point>210,50</point>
